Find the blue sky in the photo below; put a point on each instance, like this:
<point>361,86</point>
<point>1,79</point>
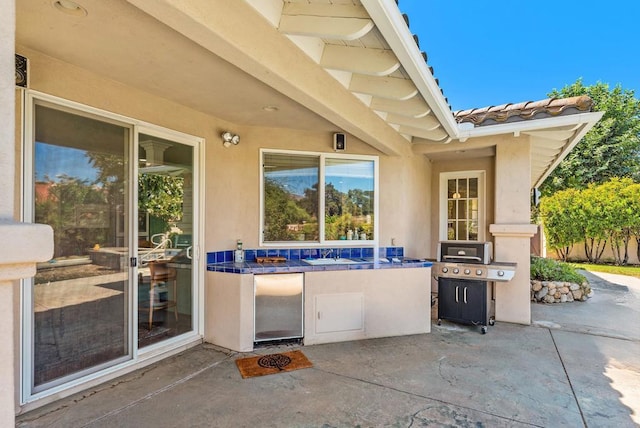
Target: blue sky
<point>492,53</point>
<point>55,161</point>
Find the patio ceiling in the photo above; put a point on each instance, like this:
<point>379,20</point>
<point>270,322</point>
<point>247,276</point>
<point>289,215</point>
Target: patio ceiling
<point>325,65</point>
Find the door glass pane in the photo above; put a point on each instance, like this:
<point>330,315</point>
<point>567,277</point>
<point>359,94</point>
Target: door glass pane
<point>473,187</point>
<point>462,209</point>
<point>349,199</point>
<point>165,239</point>
<point>290,197</point>
<point>451,209</point>
<point>80,310</point>
<point>462,187</point>
<point>462,230</point>
<point>451,188</point>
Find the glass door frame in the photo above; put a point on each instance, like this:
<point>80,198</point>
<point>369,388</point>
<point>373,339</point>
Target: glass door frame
<point>197,273</point>
<point>444,178</point>
<point>134,358</point>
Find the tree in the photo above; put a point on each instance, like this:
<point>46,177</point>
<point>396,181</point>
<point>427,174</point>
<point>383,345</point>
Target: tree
<point>161,196</point>
<point>597,215</point>
<point>610,149</point>
<point>281,210</point>
<point>562,218</point>
<point>594,223</point>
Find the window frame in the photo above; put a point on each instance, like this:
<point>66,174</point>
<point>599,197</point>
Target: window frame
<point>443,198</point>
<point>322,156</point>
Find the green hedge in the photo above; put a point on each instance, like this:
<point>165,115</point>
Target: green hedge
<point>551,270</point>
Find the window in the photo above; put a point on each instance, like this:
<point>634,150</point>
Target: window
<point>462,206</point>
<point>298,186</point>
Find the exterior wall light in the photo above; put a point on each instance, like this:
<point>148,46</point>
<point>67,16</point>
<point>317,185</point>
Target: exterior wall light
<point>228,139</point>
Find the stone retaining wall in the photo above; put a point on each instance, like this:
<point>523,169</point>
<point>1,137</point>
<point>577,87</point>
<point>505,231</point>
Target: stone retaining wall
<point>559,292</point>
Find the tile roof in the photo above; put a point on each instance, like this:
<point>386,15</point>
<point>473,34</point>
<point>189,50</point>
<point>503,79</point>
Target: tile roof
<point>528,110</point>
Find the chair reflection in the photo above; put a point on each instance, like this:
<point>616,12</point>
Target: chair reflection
<point>161,277</point>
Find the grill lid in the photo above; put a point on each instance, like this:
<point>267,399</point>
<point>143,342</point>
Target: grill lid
<point>465,252</point>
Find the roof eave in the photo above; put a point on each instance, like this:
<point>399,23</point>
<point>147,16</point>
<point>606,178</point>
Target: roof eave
<point>516,127</point>
<point>586,127</point>
<point>391,24</point>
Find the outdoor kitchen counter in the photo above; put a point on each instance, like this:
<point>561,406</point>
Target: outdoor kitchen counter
<point>341,302</point>
<point>297,266</point>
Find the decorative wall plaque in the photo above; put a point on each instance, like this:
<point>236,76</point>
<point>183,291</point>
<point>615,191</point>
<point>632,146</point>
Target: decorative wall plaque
<point>21,71</point>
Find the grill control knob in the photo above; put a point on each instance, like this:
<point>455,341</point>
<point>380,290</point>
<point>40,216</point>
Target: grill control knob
<point>467,271</point>
<point>456,270</point>
<point>479,272</point>
<point>500,273</point>
<point>445,269</point>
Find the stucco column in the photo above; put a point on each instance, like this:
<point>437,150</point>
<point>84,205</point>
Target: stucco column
<point>512,229</point>
<point>22,244</point>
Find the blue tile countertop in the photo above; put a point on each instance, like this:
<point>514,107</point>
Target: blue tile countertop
<point>290,266</point>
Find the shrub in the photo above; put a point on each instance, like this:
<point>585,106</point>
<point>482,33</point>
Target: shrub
<point>551,270</point>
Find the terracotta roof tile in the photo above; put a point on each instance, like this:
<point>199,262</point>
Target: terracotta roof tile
<point>528,110</point>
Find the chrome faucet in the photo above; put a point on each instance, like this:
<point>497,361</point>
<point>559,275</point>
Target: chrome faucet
<point>326,253</point>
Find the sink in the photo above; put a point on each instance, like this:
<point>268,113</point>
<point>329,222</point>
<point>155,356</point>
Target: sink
<point>328,261</point>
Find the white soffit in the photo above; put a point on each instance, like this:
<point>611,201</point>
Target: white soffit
<point>378,61</point>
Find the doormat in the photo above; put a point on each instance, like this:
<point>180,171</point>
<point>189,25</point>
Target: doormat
<point>273,363</point>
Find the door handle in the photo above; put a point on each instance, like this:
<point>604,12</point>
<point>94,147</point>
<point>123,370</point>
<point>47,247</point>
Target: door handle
<point>465,294</point>
<point>457,294</point>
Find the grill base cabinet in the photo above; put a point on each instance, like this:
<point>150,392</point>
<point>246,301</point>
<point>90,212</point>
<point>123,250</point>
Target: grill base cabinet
<point>464,301</point>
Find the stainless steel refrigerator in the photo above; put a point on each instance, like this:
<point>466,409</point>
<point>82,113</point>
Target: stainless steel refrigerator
<point>279,302</point>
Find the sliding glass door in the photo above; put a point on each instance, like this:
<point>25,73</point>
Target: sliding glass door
<point>80,298</point>
<point>165,238</point>
<point>123,277</point>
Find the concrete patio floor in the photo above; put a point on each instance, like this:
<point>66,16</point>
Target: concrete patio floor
<point>577,365</point>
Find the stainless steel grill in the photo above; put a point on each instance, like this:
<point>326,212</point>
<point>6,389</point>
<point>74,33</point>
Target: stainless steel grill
<point>471,260</point>
<point>464,270</point>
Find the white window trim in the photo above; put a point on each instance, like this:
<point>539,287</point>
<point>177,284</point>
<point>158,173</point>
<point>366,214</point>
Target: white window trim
<point>136,358</point>
<point>482,223</point>
<point>322,242</point>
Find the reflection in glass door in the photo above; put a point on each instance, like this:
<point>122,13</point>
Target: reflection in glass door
<point>80,298</point>
<point>165,239</point>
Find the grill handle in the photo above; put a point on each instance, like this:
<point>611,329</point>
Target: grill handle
<point>476,258</point>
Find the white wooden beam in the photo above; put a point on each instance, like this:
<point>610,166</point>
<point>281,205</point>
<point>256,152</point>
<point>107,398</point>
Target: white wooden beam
<point>428,122</point>
<point>414,107</point>
<point>374,62</point>
<point>325,27</point>
<point>437,134</point>
<point>325,9</point>
<point>257,48</point>
<point>383,87</point>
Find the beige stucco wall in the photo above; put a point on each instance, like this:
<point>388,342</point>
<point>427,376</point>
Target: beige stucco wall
<point>233,193</point>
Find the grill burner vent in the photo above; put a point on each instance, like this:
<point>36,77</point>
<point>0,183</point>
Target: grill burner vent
<point>471,260</point>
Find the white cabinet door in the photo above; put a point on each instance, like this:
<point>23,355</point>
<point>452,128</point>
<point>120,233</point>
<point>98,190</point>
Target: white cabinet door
<point>339,312</point>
